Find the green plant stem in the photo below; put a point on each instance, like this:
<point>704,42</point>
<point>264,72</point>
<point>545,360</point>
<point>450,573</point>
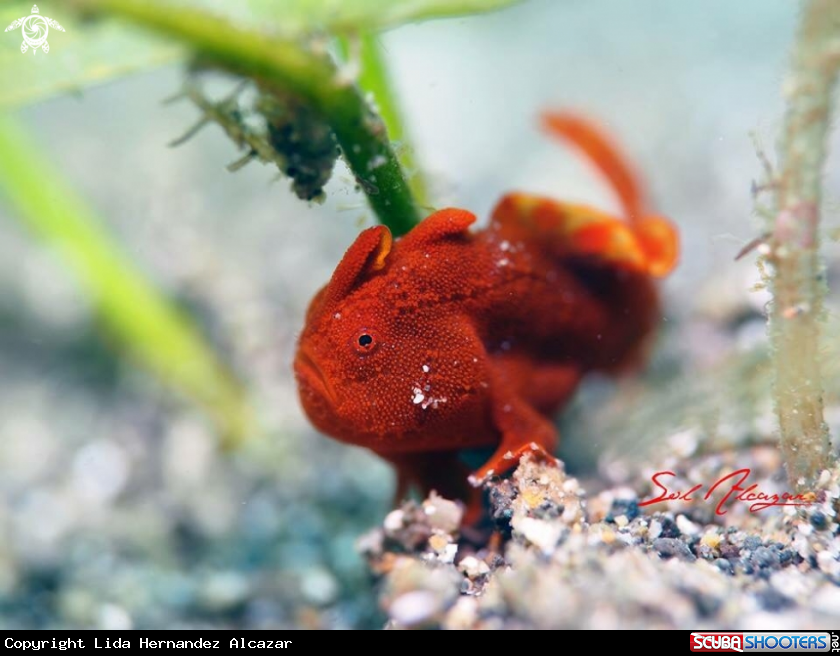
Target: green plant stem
<point>286,65</point>
<point>137,317</point>
<point>375,79</point>
<point>797,279</point>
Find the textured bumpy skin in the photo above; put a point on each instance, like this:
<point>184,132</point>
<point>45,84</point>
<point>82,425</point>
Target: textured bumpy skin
<point>449,338</point>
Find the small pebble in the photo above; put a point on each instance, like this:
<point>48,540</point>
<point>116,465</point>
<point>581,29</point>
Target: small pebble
<point>724,565</point>
<point>765,558</point>
<point>819,520</point>
<point>472,567</point>
<point>828,563</point>
<point>752,543</point>
<point>672,547</point>
<point>415,608</point>
<point>729,550</point>
<point>438,542</point>
<point>773,600</point>
<point>393,521</point>
<point>542,534</point>
<point>686,526</point>
<point>443,514</point>
<point>627,507</point>
<point>669,528</point>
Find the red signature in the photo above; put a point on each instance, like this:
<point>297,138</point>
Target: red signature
<point>735,491</point>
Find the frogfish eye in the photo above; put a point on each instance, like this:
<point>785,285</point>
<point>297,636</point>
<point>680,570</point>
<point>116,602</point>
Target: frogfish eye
<point>364,342</point>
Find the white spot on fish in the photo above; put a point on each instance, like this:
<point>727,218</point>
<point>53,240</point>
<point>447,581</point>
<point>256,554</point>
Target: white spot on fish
<point>425,368</point>
<point>337,315</point>
<point>505,245</point>
<point>433,402</point>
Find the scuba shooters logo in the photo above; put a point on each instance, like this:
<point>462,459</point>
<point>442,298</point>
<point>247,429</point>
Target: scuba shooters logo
<point>792,641</point>
<point>35,29</point>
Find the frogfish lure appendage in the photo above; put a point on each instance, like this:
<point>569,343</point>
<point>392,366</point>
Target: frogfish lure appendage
<point>449,339</point>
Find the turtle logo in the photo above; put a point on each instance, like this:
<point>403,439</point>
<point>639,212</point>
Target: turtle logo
<point>35,29</point>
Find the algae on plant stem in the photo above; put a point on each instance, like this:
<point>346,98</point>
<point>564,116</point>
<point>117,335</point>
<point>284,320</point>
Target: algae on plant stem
<point>797,281</point>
